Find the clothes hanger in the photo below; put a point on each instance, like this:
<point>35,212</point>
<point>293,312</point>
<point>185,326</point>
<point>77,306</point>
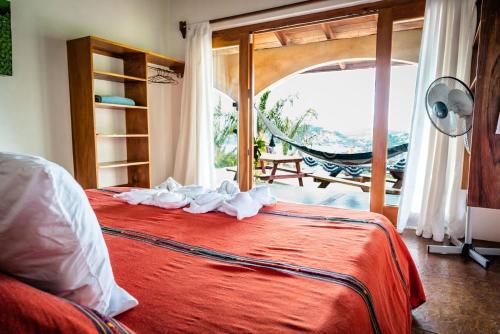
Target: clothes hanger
<point>163,76</point>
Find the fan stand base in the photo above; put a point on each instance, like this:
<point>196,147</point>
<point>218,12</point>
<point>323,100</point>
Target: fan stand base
<point>466,249</point>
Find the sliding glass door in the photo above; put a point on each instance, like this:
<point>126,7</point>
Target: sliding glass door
<point>383,44</point>
<point>406,37</point>
<point>225,120</point>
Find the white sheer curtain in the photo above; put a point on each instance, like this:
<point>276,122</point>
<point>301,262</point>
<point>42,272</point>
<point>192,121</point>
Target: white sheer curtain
<point>194,159</point>
<point>431,200</point>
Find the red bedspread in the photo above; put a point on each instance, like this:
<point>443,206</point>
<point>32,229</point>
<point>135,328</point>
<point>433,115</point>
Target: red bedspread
<point>296,274</point>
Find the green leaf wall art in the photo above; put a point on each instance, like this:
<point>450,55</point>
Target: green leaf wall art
<point>5,39</point>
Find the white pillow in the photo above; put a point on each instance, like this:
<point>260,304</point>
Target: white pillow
<point>50,236</point>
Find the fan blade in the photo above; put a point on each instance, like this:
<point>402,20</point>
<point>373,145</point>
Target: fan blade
<point>460,103</point>
<point>438,93</point>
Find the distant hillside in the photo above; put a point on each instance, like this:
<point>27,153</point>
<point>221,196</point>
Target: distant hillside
<point>336,141</point>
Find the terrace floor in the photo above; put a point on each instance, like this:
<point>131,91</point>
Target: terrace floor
<point>338,195</point>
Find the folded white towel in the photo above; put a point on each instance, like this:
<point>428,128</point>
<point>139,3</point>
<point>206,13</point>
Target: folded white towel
<point>242,205</point>
<point>156,197</point>
<point>192,191</point>
<point>228,187</point>
<point>138,196</point>
<point>168,200</point>
<point>228,198</point>
<point>206,202</point>
<point>263,195</point>
<point>169,184</point>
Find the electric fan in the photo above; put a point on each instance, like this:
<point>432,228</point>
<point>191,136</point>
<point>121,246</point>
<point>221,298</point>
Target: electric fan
<point>449,104</point>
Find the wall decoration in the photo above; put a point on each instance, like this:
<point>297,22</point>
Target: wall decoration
<point>5,38</point>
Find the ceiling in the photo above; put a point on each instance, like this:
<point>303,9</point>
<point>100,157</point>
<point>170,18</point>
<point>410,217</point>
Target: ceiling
<point>319,32</point>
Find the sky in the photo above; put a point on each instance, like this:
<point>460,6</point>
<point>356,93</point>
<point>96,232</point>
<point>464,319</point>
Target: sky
<point>344,99</point>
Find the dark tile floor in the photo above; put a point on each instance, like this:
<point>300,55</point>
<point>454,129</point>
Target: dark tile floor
<point>462,297</point>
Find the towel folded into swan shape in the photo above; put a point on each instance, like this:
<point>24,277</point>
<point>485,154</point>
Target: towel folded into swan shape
<point>227,198</point>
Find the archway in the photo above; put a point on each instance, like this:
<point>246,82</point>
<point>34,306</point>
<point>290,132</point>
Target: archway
<point>274,64</point>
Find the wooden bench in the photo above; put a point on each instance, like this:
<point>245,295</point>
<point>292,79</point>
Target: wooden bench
<point>276,160</point>
<point>268,177</point>
<point>325,180</point>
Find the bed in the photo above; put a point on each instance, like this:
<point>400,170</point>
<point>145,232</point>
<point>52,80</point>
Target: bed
<point>290,269</point>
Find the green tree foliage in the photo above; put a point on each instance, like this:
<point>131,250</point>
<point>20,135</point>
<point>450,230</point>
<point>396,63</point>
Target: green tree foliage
<point>5,39</point>
<point>225,126</point>
<point>296,129</point>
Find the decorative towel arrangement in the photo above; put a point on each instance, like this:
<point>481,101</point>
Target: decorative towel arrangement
<point>227,198</point>
<point>114,100</point>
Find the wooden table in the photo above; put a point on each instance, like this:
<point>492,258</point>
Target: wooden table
<point>275,160</point>
<point>398,174</point>
<point>325,180</point>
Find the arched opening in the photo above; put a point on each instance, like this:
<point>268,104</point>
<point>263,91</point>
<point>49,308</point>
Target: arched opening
<point>335,99</point>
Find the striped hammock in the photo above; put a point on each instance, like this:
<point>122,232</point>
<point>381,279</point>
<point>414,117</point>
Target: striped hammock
<point>334,169</point>
<point>341,159</point>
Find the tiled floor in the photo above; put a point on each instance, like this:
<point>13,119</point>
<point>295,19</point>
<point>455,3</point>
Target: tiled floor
<point>462,297</point>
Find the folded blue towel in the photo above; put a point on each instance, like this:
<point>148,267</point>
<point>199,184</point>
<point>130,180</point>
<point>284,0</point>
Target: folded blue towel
<point>115,100</point>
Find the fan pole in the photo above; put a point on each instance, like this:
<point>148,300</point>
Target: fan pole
<point>466,248</point>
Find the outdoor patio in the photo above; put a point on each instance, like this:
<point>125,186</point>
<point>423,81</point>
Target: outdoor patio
<point>337,195</point>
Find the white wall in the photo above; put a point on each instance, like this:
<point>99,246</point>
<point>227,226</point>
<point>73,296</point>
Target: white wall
<point>34,103</point>
<point>485,224</point>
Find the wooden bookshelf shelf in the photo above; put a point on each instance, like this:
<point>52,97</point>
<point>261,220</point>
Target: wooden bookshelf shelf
<point>118,106</point>
<point>116,77</point>
<point>121,163</point>
<point>88,149</point>
<point>101,135</point>
<point>158,59</point>
<point>120,50</point>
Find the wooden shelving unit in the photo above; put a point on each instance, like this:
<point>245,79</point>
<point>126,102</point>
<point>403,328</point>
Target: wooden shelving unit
<point>118,106</point>
<point>121,163</point>
<point>82,73</point>
<point>102,75</point>
<point>102,135</point>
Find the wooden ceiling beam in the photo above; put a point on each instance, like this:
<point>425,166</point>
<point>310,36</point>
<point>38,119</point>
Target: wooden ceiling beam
<point>402,10</point>
<point>327,30</point>
<point>280,35</point>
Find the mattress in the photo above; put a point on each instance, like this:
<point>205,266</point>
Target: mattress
<point>290,269</point>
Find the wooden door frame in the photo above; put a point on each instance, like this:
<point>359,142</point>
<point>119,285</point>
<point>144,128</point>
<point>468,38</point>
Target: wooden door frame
<point>388,11</point>
<point>381,109</point>
<point>245,120</point>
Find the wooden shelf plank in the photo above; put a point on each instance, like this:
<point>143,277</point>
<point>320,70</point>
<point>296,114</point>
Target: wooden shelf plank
<point>135,135</point>
<point>118,106</point>
<point>120,50</point>
<point>121,163</point>
<point>158,59</point>
<point>116,77</point>
<point>113,49</point>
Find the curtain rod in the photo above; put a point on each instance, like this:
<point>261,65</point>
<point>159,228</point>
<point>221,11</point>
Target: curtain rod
<point>263,11</point>
<point>183,24</point>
